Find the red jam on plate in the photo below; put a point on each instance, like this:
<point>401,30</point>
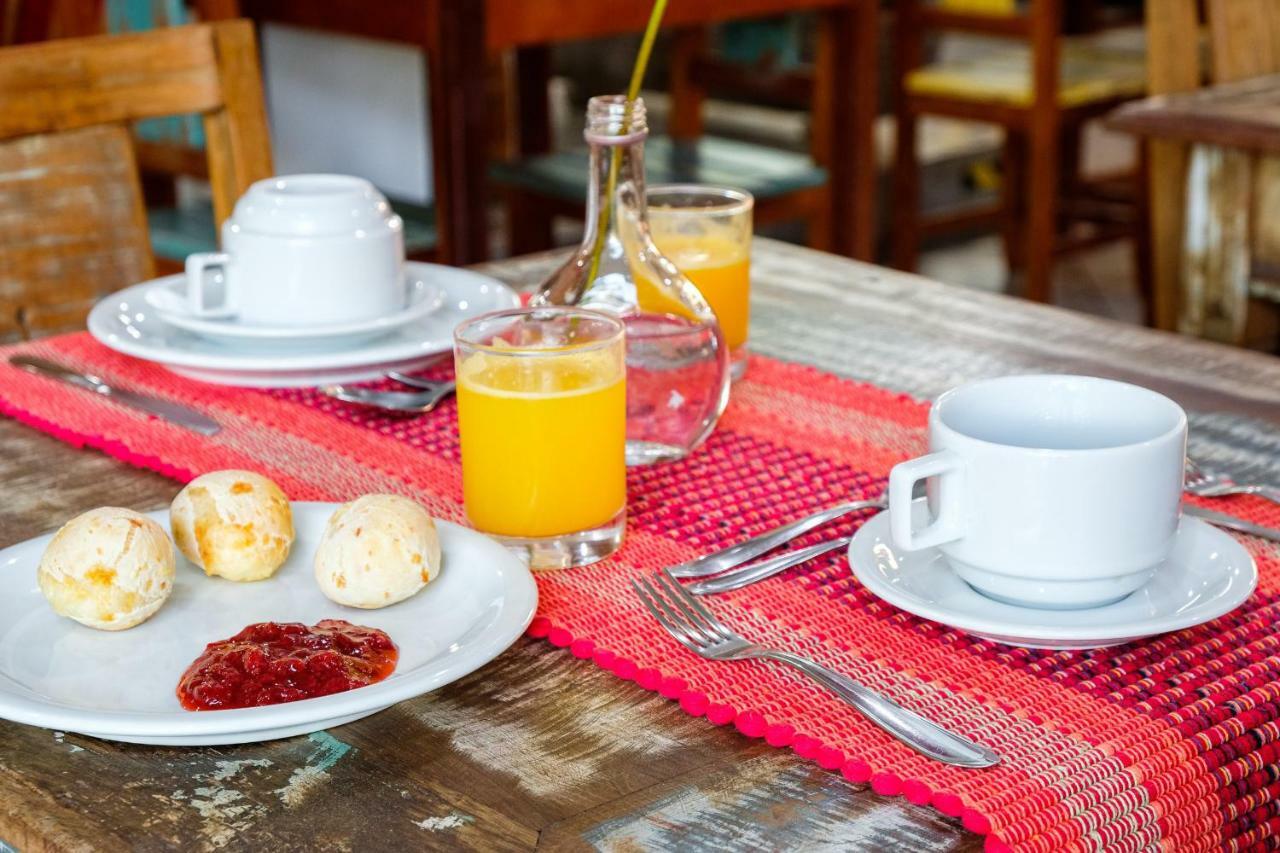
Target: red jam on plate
<point>273,662</point>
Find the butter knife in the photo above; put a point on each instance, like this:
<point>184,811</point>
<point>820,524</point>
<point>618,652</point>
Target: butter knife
<point>1232,523</point>
<point>174,413</point>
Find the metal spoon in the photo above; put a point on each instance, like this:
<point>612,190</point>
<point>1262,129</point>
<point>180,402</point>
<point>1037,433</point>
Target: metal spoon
<point>404,402</point>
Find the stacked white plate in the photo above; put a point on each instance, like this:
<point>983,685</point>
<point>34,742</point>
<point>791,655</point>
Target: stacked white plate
<point>147,321</point>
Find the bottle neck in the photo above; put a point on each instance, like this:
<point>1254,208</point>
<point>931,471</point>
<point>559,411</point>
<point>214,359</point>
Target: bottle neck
<point>616,187</point>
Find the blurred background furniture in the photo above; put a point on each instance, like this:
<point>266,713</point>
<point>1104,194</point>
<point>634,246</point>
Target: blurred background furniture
<point>74,226</point>
<point>787,185</point>
<point>27,21</point>
<point>455,34</point>
<point>1055,67</point>
<point>1214,165</point>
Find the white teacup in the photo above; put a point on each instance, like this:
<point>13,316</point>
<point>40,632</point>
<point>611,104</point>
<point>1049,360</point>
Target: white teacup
<point>305,250</point>
<point>1048,491</point>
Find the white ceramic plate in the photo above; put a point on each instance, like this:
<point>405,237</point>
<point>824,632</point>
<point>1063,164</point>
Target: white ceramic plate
<point>423,295</point>
<point>61,675</point>
<point>126,323</point>
<point>303,378</point>
<point>1208,574</point>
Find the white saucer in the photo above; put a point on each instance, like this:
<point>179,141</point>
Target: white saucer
<point>423,295</point>
<point>120,686</point>
<point>126,323</point>
<point>1207,575</point>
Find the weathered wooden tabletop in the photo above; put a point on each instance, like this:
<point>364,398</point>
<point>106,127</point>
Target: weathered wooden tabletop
<point>1243,114</point>
<point>539,748</point>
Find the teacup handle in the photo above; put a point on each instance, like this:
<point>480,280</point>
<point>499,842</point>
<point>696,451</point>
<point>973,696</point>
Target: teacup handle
<point>195,267</point>
<point>902,479</point>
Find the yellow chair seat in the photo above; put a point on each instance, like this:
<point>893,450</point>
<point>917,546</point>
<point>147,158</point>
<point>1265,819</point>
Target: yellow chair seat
<point>981,7</point>
<point>1092,69</point>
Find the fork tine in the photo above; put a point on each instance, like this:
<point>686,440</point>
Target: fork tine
<point>656,607</point>
<point>692,609</point>
<point>693,627</point>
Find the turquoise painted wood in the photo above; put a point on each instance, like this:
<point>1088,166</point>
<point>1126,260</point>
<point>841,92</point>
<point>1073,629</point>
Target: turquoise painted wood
<point>132,16</point>
<point>760,170</point>
<point>179,231</point>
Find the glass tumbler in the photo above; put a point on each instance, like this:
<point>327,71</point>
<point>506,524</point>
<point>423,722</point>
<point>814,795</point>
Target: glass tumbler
<point>706,232</point>
<point>542,419</point>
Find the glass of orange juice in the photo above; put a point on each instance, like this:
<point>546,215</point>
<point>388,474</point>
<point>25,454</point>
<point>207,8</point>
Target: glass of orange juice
<point>542,418</point>
<point>706,232</point>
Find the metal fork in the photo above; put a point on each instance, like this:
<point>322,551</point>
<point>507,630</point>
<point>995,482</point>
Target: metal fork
<point>419,402</point>
<point>1206,485</point>
<point>695,628</point>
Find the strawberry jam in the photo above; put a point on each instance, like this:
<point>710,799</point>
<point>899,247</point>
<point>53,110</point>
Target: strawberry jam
<point>273,662</point>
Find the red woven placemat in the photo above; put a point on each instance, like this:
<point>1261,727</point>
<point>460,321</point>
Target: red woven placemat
<point>1170,742</point>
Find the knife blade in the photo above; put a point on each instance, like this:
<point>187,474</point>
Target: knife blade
<point>174,413</point>
<point>1232,523</point>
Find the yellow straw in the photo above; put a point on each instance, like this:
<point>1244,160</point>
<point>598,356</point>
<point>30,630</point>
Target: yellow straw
<point>615,155</point>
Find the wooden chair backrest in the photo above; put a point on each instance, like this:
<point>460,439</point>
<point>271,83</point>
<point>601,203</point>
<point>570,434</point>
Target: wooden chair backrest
<point>69,189</point>
<point>1244,42</point>
<point>1244,39</point>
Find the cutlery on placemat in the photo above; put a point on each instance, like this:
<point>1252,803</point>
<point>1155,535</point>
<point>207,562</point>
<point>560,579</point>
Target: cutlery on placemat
<point>750,573</point>
<point>695,628</point>
<point>1203,484</point>
<point>735,555</point>
<point>1230,522</point>
<point>427,397</point>
<point>174,413</point>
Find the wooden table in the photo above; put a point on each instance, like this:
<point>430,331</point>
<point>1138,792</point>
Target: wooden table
<point>458,34</point>
<point>1234,115</point>
<point>541,748</point>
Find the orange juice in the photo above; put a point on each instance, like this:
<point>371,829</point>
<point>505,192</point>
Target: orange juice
<point>719,267</point>
<point>543,441</point>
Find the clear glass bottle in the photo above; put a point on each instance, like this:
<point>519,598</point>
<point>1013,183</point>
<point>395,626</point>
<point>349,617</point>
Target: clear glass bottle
<point>677,363</point>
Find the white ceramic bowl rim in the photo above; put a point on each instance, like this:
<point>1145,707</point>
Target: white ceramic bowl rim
<point>313,205</point>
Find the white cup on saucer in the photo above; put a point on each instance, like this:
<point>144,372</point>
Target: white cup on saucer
<point>1048,491</point>
<point>304,250</point>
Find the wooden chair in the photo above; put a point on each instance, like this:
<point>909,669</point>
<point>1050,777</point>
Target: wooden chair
<point>787,185</point>
<point>73,224</point>
<point>28,21</point>
<point>1204,266</point>
<point>1041,89</point>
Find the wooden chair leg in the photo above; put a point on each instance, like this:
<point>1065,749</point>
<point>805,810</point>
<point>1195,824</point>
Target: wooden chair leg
<point>862,143</point>
<point>532,76</point>
<point>1166,205</point>
<point>687,92</point>
<point>1142,251</point>
<point>529,223</point>
<point>1043,166</point>
<point>906,194</point>
<point>909,49</point>
<point>1012,188</point>
<point>456,86</point>
<point>1044,163</point>
<point>1169,23</point>
<point>818,225</point>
